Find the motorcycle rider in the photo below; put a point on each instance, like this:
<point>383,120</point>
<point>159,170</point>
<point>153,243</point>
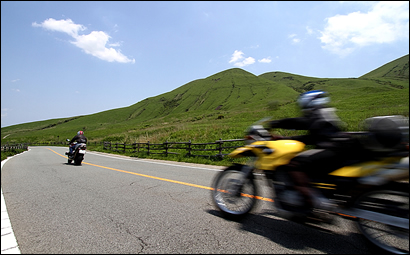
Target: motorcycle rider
<point>79,138</point>
<point>331,145</point>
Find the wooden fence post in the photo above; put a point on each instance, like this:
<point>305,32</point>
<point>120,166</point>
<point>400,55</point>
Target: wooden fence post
<point>189,148</point>
<point>148,147</point>
<point>166,148</point>
<point>220,147</point>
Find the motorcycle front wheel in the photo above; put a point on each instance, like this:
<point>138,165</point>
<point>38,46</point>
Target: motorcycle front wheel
<point>233,195</point>
<point>392,239</point>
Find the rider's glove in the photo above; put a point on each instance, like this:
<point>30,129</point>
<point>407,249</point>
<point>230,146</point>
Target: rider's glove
<point>277,137</point>
<point>273,124</point>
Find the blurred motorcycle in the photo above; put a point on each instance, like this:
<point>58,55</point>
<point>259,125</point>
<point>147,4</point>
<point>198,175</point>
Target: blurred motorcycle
<point>374,193</point>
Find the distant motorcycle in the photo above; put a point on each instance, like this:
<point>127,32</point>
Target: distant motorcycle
<point>78,152</point>
<point>373,193</point>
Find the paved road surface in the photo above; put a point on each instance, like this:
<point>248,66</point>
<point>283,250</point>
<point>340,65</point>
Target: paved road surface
<point>115,204</point>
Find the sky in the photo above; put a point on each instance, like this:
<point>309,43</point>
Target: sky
<point>62,59</point>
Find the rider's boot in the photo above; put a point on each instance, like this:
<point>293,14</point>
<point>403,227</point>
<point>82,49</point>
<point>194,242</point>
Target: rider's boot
<point>313,199</point>
<point>323,203</point>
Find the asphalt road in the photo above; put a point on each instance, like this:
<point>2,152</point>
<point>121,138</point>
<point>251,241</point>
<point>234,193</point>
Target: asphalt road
<point>115,204</point>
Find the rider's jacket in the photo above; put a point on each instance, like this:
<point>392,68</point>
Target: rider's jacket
<point>323,126</point>
<point>79,139</point>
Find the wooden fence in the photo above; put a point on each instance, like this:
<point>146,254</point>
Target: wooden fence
<point>221,147</point>
<point>12,147</point>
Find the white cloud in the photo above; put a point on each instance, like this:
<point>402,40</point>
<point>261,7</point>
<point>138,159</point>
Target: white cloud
<point>4,112</point>
<point>115,28</point>
<point>294,38</point>
<point>66,26</point>
<point>117,44</point>
<point>93,43</point>
<point>245,62</point>
<point>265,60</point>
<point>236,56</point>
<point>239,60</point>
<point>309,30</point>
<point>386,22</point>
<point>16,80</point>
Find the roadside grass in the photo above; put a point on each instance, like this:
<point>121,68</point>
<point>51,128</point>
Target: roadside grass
<point>6,154</point>
<point>218,161</point>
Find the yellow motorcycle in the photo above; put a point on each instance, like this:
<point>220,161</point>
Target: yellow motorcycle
<point>374,193</point>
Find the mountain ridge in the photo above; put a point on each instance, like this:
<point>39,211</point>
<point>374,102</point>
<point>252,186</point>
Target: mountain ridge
<point>234,92</point>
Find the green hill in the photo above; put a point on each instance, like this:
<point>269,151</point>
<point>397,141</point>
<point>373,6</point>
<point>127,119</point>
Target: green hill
<point>397,69</point>
<point>225,91</point>
<point>224,104</point>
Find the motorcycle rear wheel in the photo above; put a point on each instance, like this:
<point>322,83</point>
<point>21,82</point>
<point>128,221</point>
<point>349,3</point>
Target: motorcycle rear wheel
<point>395,202</point>
<point>78,159</point>
<point>232,200</point>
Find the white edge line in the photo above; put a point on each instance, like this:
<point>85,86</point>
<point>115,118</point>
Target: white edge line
<point>149,161</point>
<point>9,243</point>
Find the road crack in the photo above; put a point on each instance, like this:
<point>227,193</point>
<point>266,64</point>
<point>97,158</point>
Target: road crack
<point>123,228</point>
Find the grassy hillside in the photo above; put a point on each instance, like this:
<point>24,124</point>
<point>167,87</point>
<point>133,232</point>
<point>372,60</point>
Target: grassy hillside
<point>397,69</point>
<point>355,98</point>
<point>224,104</point>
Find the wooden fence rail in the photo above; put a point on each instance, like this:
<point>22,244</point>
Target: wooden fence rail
<point>218,148</point>
<point>222,147</point>
<point>52,143</point>
<point>11,147</point>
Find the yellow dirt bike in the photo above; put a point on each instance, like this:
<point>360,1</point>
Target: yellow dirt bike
<point>374,193</point>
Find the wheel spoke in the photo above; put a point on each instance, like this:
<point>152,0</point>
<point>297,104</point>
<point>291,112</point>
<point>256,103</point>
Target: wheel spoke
<point>232,198</point>
<point>390,238</point>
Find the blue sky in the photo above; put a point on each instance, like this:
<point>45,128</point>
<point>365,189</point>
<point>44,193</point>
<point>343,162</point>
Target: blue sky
<point>67,58</point>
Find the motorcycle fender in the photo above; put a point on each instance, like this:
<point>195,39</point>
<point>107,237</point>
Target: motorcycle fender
<point>365,168</point>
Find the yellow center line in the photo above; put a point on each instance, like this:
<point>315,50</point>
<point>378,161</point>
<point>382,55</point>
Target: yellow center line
<point>159,178</point>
